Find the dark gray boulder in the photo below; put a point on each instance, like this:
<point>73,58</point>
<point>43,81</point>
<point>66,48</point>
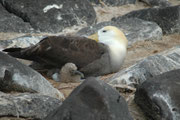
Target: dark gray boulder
<point>134,29</point>
<point>113,2</point>
<point>167,18</point>
<point>159,96</point>
<point>11,23</point>
<point>51,15</point>
<point>160,3</point>
<point>26,105</point>
<point>16,76</point>
<point>92,100</point>
<point>147,67</point>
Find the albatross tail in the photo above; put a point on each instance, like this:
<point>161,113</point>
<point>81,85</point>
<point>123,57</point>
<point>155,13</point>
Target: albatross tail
<point>15,52</point>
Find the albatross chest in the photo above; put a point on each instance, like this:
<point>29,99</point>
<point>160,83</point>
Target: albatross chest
<point>117,54</point>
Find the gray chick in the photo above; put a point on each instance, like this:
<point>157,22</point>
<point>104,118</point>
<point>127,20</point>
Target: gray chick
<point>68,73</point>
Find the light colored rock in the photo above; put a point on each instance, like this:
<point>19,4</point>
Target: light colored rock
<point>22,42</point>
<point>167,18</point>
<point>27,105</point>
<point>148,67</point>
<point>22,75</point>
<point>134,29</point>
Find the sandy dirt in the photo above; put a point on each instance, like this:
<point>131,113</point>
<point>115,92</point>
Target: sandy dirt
<point>106,13</point>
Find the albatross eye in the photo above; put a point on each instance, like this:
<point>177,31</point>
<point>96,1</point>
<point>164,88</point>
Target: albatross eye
<point>104,31</point>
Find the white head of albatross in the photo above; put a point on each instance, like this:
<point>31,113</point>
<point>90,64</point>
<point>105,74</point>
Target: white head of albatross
<point>117,43</point>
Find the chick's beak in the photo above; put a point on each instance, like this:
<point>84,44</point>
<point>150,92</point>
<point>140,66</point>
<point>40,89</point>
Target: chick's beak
<point>94,37</point>
<point>76,72</point>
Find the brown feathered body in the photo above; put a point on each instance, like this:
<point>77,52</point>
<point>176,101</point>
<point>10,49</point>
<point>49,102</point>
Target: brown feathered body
<point>56,51</point>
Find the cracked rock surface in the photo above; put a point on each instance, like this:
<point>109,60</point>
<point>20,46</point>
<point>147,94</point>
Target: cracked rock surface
<point>159,96</point>
<point>16,76</point>
<point>148,67</point>
<point>160,3</point>
<point>135,29</point>
<point>168,18</point>
<point>113,2</point>
<point>51,15</point>
<point>92,100</point>
<point>26,105</point>
<point>11,23</point>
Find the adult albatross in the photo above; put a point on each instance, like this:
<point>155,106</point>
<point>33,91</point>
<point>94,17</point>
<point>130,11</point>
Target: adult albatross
<point>98,54</point>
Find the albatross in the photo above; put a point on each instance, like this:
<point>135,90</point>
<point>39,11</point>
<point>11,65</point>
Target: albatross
<point>98,54</point>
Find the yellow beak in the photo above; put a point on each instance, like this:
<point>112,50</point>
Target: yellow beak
<point>94,37</point>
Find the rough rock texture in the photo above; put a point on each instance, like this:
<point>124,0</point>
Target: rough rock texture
<point>11,23</point>
<point>113,2</point>
<point>167,18</point>
<point>27,105</point>
<point>51,15</point>
<point>18,77</point>
<point>92,100</point>
<point>160,3</point>
<point>134,29</point>
<point>22,42</point>
<point>148,67</point>
<point>159,96</point>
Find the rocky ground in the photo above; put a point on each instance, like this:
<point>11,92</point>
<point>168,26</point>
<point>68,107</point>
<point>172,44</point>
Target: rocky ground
<point>138,52</point>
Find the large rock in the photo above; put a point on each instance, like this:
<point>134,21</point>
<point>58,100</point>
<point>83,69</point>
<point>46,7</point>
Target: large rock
<point>113,2</point>
<point>16,76</point>
<point>134,29</point>
<point>160,3</point>
<point>148,67</point>
<point>92,100</point>
<point>11,23</point>
<point>159,96</point>
<point>52,15</point>
<point>27,105</point>
<point>22,42</point>
<point>167,18</point>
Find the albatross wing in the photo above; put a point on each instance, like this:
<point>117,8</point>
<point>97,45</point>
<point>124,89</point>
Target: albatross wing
<point>55,51</point>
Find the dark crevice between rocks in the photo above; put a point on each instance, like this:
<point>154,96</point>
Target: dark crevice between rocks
<point>143,2</point>
<point>22,16</point>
